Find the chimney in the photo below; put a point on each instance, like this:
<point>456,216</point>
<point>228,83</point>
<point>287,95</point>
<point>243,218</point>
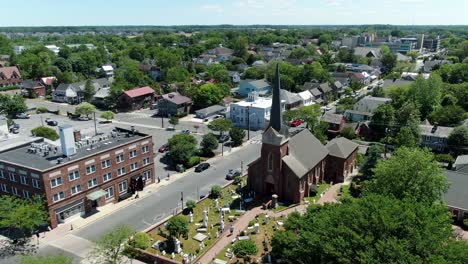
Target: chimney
<point>67,140</point>
<point>77,135</point>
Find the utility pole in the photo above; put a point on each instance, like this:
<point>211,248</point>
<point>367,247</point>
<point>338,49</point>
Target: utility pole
<point>95,125</point>
<point>248,123</point>
<point>182,200</point>
<point>42,121</point>
<point>242,167</point>
<point>162,121</point>
<point>222,149</point>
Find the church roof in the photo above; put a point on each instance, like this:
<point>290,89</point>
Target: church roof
<point>305,152</point>
<point>341,147</point>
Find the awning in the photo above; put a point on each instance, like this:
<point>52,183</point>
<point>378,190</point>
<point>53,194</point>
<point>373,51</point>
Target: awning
<point>96,195</point>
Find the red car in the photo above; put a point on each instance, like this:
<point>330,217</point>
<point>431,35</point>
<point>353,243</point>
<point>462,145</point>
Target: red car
<point>163,148</point>
<point>296,123</point>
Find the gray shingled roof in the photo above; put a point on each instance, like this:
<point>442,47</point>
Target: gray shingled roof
<point>176,98</point>
<point>440,131</point>
<point>457,195</point>
<point>305,152</point>
<point>325,88</point>
<point>315,92</point>
<point>341,147</point>
<point>332,118</point>
<point>259,84</point>
<point>210,109</point>
<point>363,51</point>
<point>289,97</point>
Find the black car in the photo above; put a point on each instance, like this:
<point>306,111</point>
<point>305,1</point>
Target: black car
<point>202,166</point>
<point>51,122</point>
<point>223,138</point>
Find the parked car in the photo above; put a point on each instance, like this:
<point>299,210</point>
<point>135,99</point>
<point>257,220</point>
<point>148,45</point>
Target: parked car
<point>23,116</point>
<point>186,131</point>
<point>232,174</point>
<point>83,118</point>
<point>51,122</point>
<point>223,138</point>
<point>163,148</point>
<point>15,129</point>
<point>202,166</point>
<point>296,123</point>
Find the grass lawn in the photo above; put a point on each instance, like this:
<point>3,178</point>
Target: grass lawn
<point>344,191</point>
<point>321,188</point>
<point>190,245</point>
<point>265,233</point>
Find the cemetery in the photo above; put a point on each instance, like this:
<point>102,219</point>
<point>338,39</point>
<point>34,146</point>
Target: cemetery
<point>205,223</point>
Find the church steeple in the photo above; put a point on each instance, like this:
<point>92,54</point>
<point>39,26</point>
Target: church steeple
<point>276,119</point>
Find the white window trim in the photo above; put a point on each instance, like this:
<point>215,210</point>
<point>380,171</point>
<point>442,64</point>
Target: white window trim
<point>92,181</point>
<point>104,179</point>
<point>131,155</point>
<point>73,173</point>
<point>23,180</point>
<point>134,166</point>
<point>113,193</point>
<point>14,191</point>
<point>60,199</point>
<point>106,163</point>
<point>26,194</point>
<point>91,172</point>
<point>118,160</point>
<point>5,188</point>
<point>71,189</point>
<point>126,187</point>
<point>120,169</point>
<point>55,179</point>
<point>35,183</point>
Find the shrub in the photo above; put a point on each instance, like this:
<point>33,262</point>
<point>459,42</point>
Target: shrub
<point>42,109</point>
<point>108,115</point>
<point>45,132</point>
<point>141,240</point>
<point>191,204</point>
<point>237,180</point>
<point>245,248</point>
<point>194,160</point>
<point>252,222</point>
<point>216,191</point>
<point>8,88</point>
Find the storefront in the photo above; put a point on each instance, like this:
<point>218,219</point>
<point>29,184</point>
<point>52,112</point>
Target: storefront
<point>70,210</point>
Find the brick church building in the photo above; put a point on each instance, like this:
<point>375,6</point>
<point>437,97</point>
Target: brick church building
<point>289,166</point>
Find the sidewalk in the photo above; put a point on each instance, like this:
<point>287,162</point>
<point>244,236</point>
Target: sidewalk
<point>242,223</point>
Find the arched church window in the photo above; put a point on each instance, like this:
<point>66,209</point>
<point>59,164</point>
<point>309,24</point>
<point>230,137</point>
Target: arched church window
<point>270,161</point>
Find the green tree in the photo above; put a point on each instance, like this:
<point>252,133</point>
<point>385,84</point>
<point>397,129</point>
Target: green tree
<point>107,115</point>
<point>182,147</point>
<point>222,76</point>
<point>237,135</point>
<point>10,105</point>
<point>110,247</point>
<point>24,215</point>
<point>245,248</point>
<point>410,174</point>
<point>348,132</point>
<point>426,93</point>
<point>190,205</point>
<point>383,118</point>
<point>49,259</point>
<point>209,143</point>
<point>140,240</point>
<point>177,74</point>
<point>451,115</point>
<point>216,191</point>
<point>374,154</point>
<point>85,109</point>
<point>399,95</point>
<point>412,54</point>
<point>178,226</point>
<point>220,125</point>
<point>89,91</point>
<point>406,138</point>
<point>45,132</point>
<point>458,138</point>
<point>373,229</point>
<point>174,121</point>
<point>207,95</point>
<point>388,59</point>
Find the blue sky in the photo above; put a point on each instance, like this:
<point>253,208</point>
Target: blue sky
<point>240,12</point>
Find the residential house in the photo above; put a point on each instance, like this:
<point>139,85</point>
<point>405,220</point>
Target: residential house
<point>4,60</point>
<point>435,137</point>
<point>326,90</point>
<point>364,108</point>
<point>318,96</point>
<point>53,48</point>
<point>253,113</point>
<point>173,104</point>
<point>73,93</point>
<point>10,76</point>
<point>412,76</point>
<point>261,87</point>
<point>210,111</point>
<point>221,53</point>
<point>108,70</point>
<point>341,163</point>
<point>430,65</point>
<point>307,98</point>
<point>290,100</point>
<point>136,99</point>
<point>33,89</point>
<point>335,123</point>
<point>456,197</point>
<point>206,59</point>
<point>374,54</point>
<point>235,76</point>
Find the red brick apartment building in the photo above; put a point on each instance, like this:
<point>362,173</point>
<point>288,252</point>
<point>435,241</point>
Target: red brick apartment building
<point>82,173</point>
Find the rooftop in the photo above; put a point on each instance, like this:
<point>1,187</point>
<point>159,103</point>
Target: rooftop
<point>139,91</point>
<point>261,102</point>
<point>457,195</point>
<point>438,131</point>
<point>43,156</point>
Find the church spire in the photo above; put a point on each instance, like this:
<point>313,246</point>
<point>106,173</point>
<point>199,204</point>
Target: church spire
<point>276,120</point>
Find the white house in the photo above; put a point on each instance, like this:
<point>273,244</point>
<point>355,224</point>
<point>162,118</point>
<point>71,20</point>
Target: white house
<point>53,48</point>
<point>254,111</point>
<point>307,98</point>
<point>109,70</point>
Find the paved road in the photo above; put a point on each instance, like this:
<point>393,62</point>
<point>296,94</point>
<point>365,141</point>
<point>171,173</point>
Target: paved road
<point>161,204</point>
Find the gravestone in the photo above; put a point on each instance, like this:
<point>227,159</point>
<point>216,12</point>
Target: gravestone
<point>205,218</point>
<point>190,217</point>
<point>216,203</point>
<point>177,248</point>
<point>267,219</point>
<point>274,202</point>
<point>256,228</point>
